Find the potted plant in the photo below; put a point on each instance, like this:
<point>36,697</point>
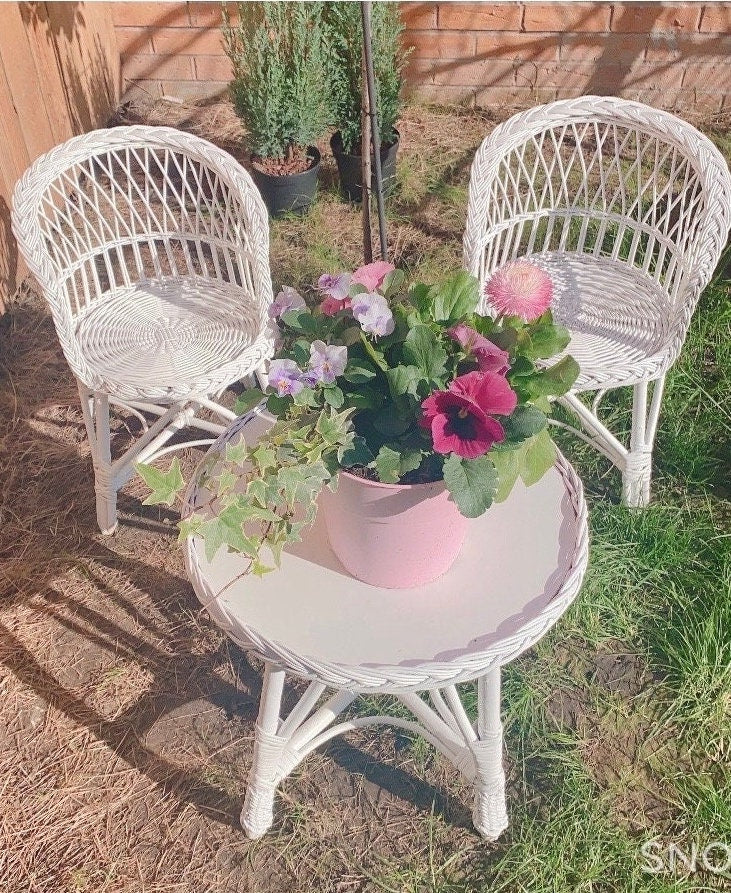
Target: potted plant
<point>345,40</point>
<point>406,408</point>
<point>279,90</point>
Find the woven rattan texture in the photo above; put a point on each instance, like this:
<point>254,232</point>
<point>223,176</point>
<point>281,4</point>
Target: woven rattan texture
<point>151,247</point>
<point>620,183</point>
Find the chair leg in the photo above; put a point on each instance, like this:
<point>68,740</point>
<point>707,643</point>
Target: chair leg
<point>637,474</point>
<point>95,408</point>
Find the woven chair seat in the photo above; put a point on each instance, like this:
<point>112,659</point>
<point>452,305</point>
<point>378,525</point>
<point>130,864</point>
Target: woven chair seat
<point>172,337</point>
<point>617,316</point>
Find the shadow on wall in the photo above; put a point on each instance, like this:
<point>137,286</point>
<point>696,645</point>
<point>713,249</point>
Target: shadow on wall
<point>613,57</point>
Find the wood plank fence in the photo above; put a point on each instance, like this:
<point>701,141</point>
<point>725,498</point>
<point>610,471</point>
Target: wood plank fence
<point>59,76</point>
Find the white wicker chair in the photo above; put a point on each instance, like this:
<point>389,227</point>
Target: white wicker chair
<point>629,209</point>
<point>151,247</point>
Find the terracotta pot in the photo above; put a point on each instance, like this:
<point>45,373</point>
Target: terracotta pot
<point>396,536</point>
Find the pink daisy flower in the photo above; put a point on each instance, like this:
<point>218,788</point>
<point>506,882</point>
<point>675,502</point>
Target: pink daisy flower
<point>520,289</point>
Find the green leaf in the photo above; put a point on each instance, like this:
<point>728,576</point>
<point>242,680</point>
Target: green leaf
<point>236,453</point>
<point>420,296</point>
<point>264,457</point>
<point>277,405</point>
<point>539,456</point>
<point>393,282</point>
<point>390,422</point>
<point>507,463</point>
<point>301,321</point>
<point>355,454</point>
<point>423,350</point>
<point>410,460</point>
<point>472,483</point>
<point>523,423</point>
<point>388,465</point>
<point>404,380</point>
<point>226,530</point>
<point>165,485</point>
<point>546,341</point>
<point>456,298</point>
<point>358,371</point>
<point>248,400</point>
<point>556,380</point>
<point>333,396</point>
<point>374,354</point>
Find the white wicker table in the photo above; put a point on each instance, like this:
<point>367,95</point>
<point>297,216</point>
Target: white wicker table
<point>521,567</point>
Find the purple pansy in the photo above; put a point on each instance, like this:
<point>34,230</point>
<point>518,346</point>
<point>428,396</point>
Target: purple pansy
<point>287,299</point>
<point>373,313</point>
<point>327,361</point>
<point>335,285</point>
<point>285,377</point>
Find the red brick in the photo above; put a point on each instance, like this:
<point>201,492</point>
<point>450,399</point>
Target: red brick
<point>420,71</point>
<point>188,41</point>
<point>418,15</point>
<point>620,49</point>
<point>207,15</point>
<point>716,18</point>
<point>707,48</point>
<point>441,95</point>
<point>156,14</point>
<point>213,68</point>
<point>482,73</point>
<point>134,40</point>
<point>659,99</point>
<point>641,18</point>
<point>522,47</point>
<point>708,77</point>
<point>172,68</point>
<point>657,77</point>
<point>515,97</point>
<point>442,45</point>
<point>566,17</point>
<point>141,88</point>
<point>708,100</point>
<point>554,76</point>
<point>189,91</point>
<point>480,16</point>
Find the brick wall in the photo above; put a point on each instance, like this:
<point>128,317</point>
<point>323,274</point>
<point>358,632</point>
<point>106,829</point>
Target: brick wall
<point>673,55</point>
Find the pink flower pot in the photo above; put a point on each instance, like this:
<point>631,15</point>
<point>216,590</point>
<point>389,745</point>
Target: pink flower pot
<point>397,536</point>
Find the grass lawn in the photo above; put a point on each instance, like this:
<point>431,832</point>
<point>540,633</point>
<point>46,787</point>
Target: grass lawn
<point>126,717</point>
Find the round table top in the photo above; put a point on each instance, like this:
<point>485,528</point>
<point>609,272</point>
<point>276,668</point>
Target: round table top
<point>521,566</point>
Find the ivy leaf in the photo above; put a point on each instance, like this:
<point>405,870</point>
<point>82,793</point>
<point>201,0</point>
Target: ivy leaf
<point>264,457</point>
<point>355,454</point>
<point>388,465</point>
<point>248,400</point>
<point>190,526</point>
<point>472,483</point>
<point>226,530</point>
<point>456,298</point>
<point>423,350</point>
<point>165,485</point>
<point>236,453</point>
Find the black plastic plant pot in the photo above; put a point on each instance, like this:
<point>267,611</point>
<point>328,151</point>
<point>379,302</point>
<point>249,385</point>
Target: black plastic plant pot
<point>291,193</point>
<point>349,168</point>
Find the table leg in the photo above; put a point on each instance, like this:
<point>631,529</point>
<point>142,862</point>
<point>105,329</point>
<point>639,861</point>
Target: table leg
<point>489,813</point>
<point>257,814</point>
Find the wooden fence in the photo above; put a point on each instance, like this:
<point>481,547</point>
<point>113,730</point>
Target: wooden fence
<point>59,75</point>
